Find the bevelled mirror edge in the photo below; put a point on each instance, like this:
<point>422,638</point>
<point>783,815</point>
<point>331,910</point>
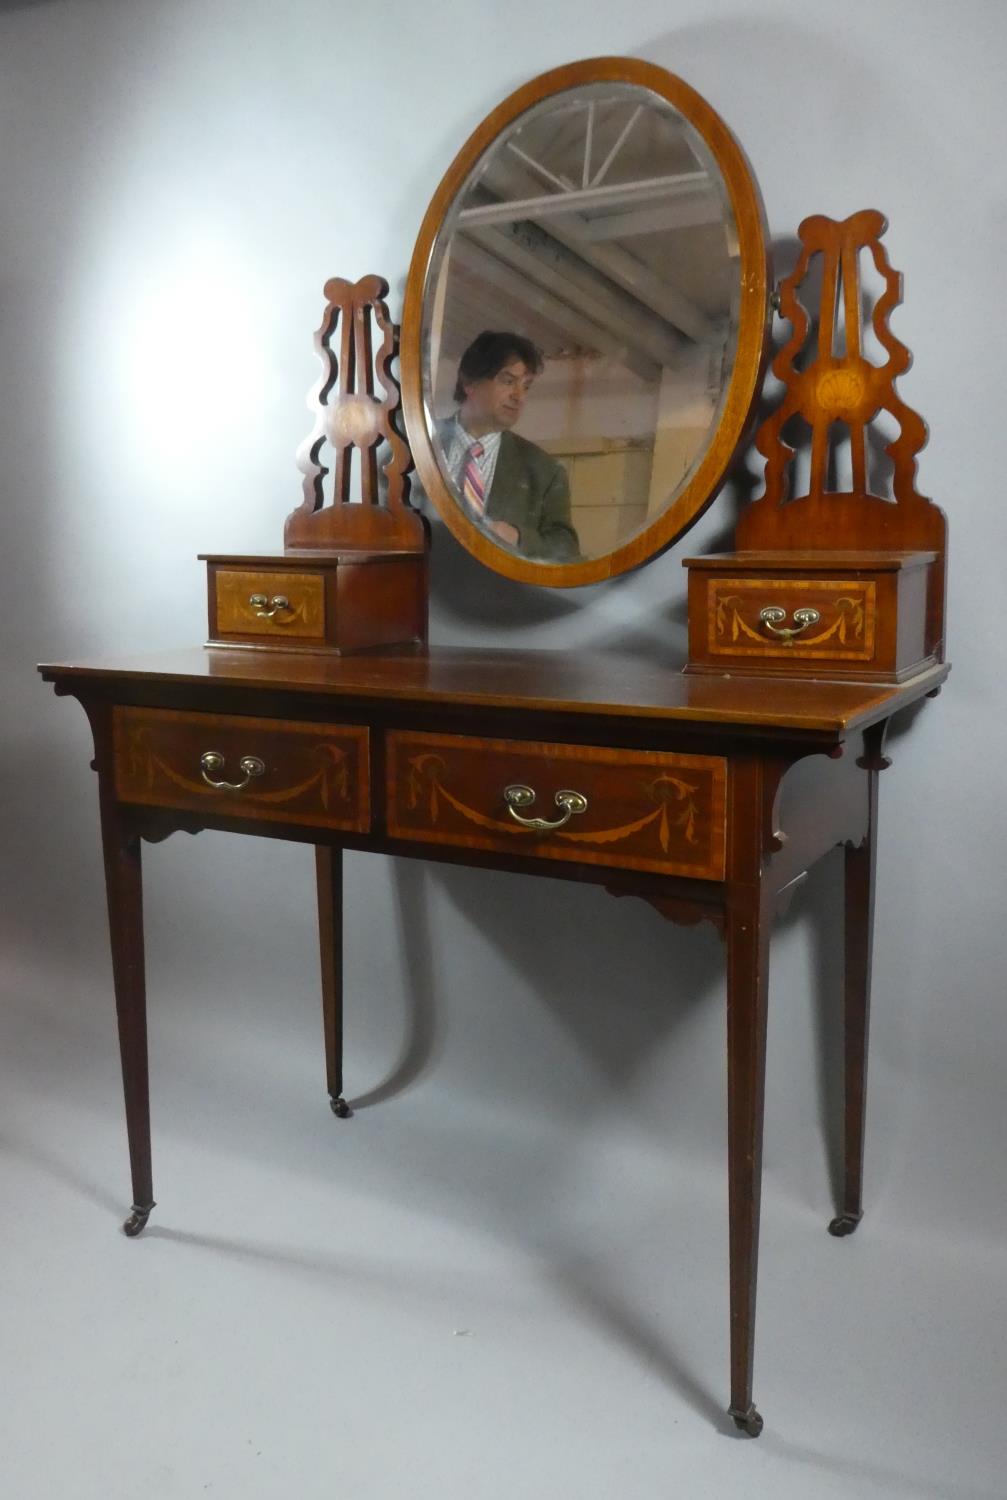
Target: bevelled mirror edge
<point>752,338</point>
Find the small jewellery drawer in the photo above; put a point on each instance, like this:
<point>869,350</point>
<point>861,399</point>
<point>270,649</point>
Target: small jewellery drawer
<point>860,615</point>
<point>831,618</point>
<point>342,602</point>
<point>269,605</point>
<point>630,809</point>
<point>241,767</point>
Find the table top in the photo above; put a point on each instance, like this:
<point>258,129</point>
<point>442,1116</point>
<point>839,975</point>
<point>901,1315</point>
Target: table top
<point>575,682</point>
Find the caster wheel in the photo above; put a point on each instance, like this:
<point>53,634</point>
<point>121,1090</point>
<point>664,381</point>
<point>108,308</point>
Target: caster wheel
<point>137,1221</point>
<point>340,1107</point>
<point>748,1421</point>
<point>844,1224</point>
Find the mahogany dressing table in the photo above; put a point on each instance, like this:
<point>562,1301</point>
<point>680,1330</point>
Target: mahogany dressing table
<point>318,713</point>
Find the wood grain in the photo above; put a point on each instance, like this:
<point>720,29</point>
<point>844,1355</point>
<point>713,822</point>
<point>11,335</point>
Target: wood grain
<point>575,685</point>
<point>836,383</point>
<point>314,773</point>
<point>646,811</point>
<point>236,615</point>
<point>351,417</point>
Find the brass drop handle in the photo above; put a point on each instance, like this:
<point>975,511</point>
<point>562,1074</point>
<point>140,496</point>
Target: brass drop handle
<point>212,763</point>
<point>266,608</point>
<point>773,616</point>
<point>523,796</point>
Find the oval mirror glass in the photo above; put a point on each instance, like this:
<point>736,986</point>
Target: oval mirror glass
<point>585,322</point>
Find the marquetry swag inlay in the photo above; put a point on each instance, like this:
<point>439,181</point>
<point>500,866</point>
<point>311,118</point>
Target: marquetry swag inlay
<point>307,770</point>
<point>653,810</point>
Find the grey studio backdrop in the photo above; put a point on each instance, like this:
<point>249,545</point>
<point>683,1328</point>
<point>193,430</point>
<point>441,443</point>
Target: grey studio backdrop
<point>507,1275</point>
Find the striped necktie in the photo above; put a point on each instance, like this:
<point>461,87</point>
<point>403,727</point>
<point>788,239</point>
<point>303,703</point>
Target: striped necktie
<point>472,480</point>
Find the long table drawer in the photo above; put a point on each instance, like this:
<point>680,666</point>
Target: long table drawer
<point>645,810</point>
<point>263,768</point>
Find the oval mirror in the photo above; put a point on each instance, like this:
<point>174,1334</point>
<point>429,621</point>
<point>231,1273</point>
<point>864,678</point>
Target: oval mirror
<point>585,320</point>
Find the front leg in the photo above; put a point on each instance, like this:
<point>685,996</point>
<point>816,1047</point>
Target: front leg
<point>329,875</point>
<point>123,885</point>
<point>859,938</point>
<point>748,929</point>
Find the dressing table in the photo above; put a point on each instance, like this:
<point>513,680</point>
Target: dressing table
<point>318,712</point>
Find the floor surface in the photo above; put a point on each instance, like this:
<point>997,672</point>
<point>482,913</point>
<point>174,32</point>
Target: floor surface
<point>428,1301</point>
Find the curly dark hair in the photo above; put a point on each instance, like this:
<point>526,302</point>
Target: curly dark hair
<point>487,355</point>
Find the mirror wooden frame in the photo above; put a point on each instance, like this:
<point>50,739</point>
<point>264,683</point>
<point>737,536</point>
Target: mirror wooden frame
<point>752,340</point>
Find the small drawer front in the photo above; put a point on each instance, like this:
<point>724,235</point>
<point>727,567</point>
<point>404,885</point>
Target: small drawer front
<point>270,604</point>
<point>646,810</point>
<point>843,631</point>
<point>275,771</point>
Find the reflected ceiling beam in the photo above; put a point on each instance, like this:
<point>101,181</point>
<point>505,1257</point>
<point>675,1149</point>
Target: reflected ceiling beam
<point>561,144</point>
<point>509,180</point>
<point>569,199</point>
<point>527,249</point>
<point>632,275</point>
<point>602,171</point>
<point>519,275</point>
<point>682,214</point>
<point>468,317</point>
<point>569,138</point>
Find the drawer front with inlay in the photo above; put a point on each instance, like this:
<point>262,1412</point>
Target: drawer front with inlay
<point>630,809</point>
<point>242,767</point>
<point>270,605</point>
<point>826,618</point>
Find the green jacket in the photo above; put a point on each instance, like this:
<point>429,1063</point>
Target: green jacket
<point>531,492</point>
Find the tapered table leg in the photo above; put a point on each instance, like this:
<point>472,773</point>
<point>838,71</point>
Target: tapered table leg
<point>748,928</point>
<point>859,940</point>
<point>123,886</point>
<point>329,873</point>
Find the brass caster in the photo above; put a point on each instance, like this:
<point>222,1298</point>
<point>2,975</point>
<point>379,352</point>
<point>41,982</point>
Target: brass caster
<point>747,1421</point>
<point>137,1220</point>
<point>339,1107</point>
<point>844,1224</point>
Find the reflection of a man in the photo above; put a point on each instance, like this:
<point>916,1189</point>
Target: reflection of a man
<point>511,487</point>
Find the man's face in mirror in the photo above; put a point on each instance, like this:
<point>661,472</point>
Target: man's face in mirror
<point>495,403</point>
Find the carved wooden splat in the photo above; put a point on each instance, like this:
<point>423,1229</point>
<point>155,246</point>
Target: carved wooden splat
<point>351,414</point>
<point>838,384</point>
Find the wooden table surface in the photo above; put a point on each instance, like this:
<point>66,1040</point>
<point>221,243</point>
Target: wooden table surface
<point>589,682</point>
